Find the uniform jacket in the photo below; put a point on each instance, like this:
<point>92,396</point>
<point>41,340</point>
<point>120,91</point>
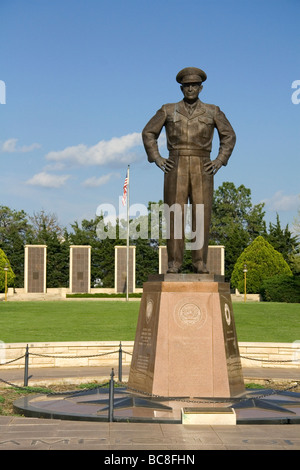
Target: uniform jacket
<point>189,132</point>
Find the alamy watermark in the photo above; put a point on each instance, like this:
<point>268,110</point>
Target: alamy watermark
<point>160,221</point>
<point>296,94</point>
<point>2,92</point>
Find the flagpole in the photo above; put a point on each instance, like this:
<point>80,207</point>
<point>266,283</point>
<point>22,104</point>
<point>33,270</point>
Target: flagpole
<point>127,264</point>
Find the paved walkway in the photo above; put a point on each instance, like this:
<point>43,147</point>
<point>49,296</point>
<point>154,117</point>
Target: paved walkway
<point>20,433</point>
<point>39,434</point>
<point>75,375</point>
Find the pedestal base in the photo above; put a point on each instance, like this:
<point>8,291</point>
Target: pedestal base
<point>186,344</point>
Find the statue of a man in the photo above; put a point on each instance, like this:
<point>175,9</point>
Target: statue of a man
<point>189,171</point>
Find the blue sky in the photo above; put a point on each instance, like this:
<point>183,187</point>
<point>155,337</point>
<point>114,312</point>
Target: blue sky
<point>83,77</point>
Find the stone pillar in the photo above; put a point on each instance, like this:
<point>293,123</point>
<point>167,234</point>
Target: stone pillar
<point>80,269</point>
<point>121,269</point>
<point>35,269</point>
<point>215,259</point>
<point>186,343</point>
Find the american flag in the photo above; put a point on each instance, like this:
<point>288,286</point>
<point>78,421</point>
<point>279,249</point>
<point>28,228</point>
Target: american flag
<point>125,190</point>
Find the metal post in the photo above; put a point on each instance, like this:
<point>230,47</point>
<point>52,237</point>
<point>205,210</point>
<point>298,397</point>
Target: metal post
<point>245,270</point>
<point>5,282</point>
<point>111,397</point>
<point>120,362</point>
<point>26,366</point>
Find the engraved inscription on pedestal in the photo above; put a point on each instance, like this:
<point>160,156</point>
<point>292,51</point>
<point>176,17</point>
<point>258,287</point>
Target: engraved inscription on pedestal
<point>229,327</point>
<point>231,343</point>
<point>143,359</point>
<point>145,344</point>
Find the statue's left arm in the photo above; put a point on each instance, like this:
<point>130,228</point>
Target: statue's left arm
<point>227,142</point>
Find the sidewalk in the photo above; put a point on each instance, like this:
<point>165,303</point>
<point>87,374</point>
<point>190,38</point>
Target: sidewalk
<point>75,375</point>
<point>40,434</point>
<point>20,433</point>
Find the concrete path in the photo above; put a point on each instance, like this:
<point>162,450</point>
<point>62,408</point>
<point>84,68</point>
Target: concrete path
<point>75,375</point>
<point>18,433</point>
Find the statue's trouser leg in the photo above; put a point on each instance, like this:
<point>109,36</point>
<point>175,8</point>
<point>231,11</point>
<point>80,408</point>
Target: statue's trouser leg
<point>187,181</point>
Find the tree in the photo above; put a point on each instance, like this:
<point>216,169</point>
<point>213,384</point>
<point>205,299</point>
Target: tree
<point>42,221</point>
<point>262,262</point>
<point>4,263</point>
<point>15,230</point>
<point>295,258</point>
<point>146,260</point>
<point>282,240</point>
<point>297,223</point>
<point>235,222</point>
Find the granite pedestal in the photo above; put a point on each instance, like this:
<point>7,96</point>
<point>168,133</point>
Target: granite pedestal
<point>186,343</point>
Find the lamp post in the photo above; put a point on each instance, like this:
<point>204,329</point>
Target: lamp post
<point>5,282</point>
<point>245,281</point>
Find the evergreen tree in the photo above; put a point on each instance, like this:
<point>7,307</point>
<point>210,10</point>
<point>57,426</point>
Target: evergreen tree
<point>4,263</point>
<point>262,262</point>
<point>283,240</point>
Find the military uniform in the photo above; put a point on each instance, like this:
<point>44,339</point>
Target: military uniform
<point>189,131</point>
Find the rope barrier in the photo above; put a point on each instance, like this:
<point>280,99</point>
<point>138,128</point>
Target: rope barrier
<point>73,357</point>
<point>269,360</point>
<point>13,360</point>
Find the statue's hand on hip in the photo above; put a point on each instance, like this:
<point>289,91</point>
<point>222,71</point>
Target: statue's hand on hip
<point>212,167</point>
<point>164,164</point>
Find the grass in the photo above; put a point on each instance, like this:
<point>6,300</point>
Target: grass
<point>68,321</point>
<point>116,321</point>
<point>267,322</point>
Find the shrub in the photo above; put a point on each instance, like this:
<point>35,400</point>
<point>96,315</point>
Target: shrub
<point>281,289</point>
<point>263,262</point>
<point>10,274</point>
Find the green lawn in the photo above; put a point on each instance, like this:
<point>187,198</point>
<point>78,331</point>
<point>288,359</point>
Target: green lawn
<point>116,320</point>
<point>68,321</point>
<point>267,322</point>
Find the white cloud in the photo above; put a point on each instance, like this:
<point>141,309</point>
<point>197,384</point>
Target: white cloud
<point>95,182</point>
<point>57,166</point>
<point>116,150</point>
<point>282,202</point>
<point>10,146</point>
<point>47,180</point>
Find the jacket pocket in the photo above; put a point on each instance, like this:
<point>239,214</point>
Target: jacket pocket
<point>174,129</point>
<point>206,126</point>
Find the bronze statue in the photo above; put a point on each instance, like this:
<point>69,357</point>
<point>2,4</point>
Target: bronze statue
<point>189,171</point>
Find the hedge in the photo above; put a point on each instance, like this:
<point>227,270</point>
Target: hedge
<point>281,289</point>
